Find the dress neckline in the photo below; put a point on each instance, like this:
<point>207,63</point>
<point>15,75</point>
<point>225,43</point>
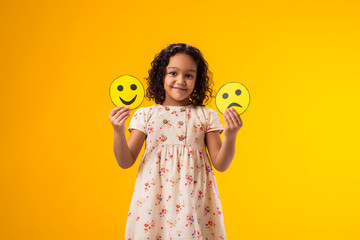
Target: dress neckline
<point>184,106</point>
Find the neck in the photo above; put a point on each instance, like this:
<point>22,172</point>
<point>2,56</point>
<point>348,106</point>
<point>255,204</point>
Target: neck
<point>185,102</point>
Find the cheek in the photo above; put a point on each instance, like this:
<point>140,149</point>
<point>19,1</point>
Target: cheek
<point>193,84</point>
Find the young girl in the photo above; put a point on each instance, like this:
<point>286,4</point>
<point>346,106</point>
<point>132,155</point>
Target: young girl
<point>175,195</point>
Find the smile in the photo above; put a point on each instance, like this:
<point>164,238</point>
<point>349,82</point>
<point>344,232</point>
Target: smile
<point>179,89</point>
<point>128,102</point>
<point>234,105</point>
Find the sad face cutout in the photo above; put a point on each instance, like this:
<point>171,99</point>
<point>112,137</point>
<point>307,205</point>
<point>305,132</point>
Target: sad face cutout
<point>128,91</point>
<point>232,95</point>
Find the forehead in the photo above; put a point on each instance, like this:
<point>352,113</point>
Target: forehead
<point>182,61</point>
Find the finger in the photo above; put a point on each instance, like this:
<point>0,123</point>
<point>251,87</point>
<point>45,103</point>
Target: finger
<point>233,117</point>
<point>230,120</point>
<point>236,116</point>
<point>226,119</point>
<point>122,111</point>
<point>124,119</point>
<point>115,110</point>
<point>121,117</point>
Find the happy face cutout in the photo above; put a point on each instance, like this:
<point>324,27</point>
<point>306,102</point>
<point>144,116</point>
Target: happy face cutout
<point>128,91</point>
<point>233,95</point>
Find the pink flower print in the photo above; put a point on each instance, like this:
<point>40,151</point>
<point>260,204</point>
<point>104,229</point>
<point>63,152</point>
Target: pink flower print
<point>173,112</point>
<point>140,202</point>
<point>150,183</point>
<point>172,223</point>
<point>168,198</point>
<point>173,181</point>
<point>179,165</point>
<point>163,171</point>
<point>158,198</point>
<point>201,195</point>
<point>163,212</point>
<point>208,169</point>
<point>210,224</point>
<point>207,210</point>
<point>137,219</point>
<point>162,138</point>
<point>179,207</point>
<point>158,237</point>
<point>158,157</point>
<point>199,127</point>
<point>191,153</point>
<point>219,212</point>
<point>150,127</point>
<point>146,227</point>
<point>197,234</point>
<point>129,214</point>
<point>189,180</point>
<point>149,211</point>
<point>190,220</point>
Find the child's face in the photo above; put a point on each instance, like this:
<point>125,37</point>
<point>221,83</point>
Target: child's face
<point>180,78</point>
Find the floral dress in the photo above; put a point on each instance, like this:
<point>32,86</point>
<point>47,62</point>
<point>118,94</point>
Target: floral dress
<point>175,195</point>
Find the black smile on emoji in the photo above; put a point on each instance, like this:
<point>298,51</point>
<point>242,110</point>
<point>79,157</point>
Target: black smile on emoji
<point>128,102</point>
<point>234,105</point>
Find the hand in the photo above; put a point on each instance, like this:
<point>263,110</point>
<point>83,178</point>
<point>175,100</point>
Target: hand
<point>233,122</point>
<point>118,117</point>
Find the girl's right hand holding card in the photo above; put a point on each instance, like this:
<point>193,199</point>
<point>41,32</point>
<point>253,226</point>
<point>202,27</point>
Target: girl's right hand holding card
<point>118,117</point>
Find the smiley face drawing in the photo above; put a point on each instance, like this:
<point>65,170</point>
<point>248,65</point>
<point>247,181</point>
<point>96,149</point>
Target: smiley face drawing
<point>234,95</point>
<point>128,91</point>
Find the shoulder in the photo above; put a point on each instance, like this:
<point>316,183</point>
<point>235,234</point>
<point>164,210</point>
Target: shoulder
<point>205,111</point>
<point>145,112</point>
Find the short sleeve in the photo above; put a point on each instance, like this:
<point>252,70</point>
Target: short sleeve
<point>138,121</point>
<point>213,122</point>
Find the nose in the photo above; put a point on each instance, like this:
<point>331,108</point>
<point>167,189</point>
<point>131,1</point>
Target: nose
<point>180,79</point>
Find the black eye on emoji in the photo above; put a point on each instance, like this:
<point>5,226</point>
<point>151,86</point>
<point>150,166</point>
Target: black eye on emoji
<point>133,87</point>
<point>225,96</point>
<point>238,92</point>
<point>120,88</point>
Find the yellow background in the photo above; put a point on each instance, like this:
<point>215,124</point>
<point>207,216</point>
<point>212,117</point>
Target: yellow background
<point>296,170</point>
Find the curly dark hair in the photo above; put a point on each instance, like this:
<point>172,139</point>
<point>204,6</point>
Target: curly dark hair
<point>202,92</point>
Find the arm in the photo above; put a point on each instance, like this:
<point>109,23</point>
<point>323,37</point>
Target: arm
<point>222,153</point>
<point>125,152</point>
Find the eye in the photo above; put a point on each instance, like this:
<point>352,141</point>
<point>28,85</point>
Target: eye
<point>189,75</point>
<point>133,87</point>
<point>238,92</point>
<point>225,96</point>
<point>171,73</point>
<point>120,88</point>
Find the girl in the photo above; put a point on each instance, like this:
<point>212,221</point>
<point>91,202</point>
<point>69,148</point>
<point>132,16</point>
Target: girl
<point>175,195</point>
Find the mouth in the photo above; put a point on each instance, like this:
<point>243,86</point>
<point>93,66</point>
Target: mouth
<point>179,89</point>
<point>128,102</point>
<point>234,105</point>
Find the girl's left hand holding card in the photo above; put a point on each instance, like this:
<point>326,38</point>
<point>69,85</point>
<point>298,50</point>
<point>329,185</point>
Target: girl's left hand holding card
<point>233,123</point>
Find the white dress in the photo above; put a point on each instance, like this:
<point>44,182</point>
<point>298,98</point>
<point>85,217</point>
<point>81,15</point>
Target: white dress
<point>175,195</point>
